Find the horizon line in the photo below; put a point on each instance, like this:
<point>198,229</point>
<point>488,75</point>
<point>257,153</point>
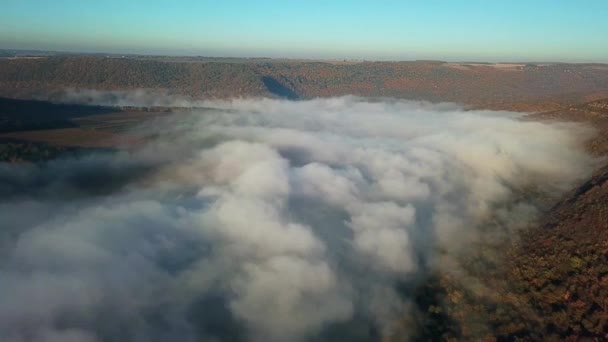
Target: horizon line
<point>54,53</point>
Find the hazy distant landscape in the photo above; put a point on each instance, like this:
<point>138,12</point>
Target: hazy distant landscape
<point>526,87</point>
<point>543,282</point>
<point>273,171</point>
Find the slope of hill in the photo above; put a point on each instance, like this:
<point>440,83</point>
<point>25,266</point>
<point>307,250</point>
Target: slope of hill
<point>20,115</point>
<point>68,124</point>
<point>550,283</point>
<point>595,113</point>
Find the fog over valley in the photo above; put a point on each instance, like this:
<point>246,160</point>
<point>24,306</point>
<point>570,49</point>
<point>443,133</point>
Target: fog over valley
<point>271,220</point>
<point>301,171</point>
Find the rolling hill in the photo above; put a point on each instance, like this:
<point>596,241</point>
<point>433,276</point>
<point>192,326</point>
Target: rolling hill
<point>528,87</point>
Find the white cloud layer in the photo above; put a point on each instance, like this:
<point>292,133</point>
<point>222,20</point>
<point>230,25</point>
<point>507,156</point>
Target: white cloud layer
<point>264,219</point>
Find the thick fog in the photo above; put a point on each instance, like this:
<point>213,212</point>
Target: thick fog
<point>267,220</point>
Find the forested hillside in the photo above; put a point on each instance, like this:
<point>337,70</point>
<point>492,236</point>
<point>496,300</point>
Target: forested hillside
<point>509,86</point>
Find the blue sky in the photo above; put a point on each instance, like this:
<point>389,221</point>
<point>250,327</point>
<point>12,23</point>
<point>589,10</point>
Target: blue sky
<point>490,30</point>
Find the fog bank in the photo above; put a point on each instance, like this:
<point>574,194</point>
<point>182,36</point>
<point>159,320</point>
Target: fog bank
<point>267,220</point>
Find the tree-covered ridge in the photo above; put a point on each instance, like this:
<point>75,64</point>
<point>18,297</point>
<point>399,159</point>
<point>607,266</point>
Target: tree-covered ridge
<point>501,86</point>
<point>552,285</point>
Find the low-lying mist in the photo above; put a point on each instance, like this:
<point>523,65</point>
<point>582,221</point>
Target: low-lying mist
<point>267,220</point>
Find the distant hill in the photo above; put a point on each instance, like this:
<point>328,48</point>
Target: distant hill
<point>501,86</point>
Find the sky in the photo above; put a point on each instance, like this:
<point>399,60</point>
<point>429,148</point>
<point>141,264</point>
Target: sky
<point>498,30</point>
